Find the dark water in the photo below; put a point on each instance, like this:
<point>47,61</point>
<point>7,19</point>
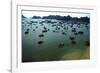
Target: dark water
<point>54,41</point>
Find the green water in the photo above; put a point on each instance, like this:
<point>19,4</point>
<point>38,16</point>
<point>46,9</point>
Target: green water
<point>49,50</point>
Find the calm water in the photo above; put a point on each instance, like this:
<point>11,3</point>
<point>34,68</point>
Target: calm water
<point>54,43</point>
